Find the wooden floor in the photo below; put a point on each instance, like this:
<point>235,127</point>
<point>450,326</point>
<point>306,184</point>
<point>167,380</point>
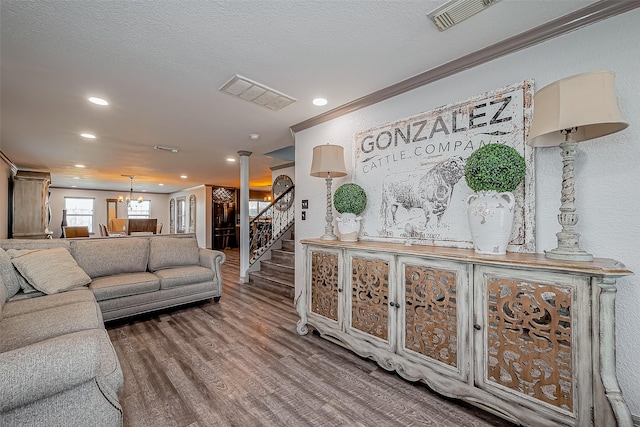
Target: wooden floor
<point>240,362</point>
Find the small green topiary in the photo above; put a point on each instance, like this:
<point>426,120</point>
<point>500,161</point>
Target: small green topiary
<point>350,198</point>
<point>496,167</point>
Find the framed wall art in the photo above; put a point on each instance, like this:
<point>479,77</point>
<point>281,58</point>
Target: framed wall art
<point>413,169</point>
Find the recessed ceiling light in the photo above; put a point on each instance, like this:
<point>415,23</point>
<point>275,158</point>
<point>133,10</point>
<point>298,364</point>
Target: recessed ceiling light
<point>161,185</point>
<point>80,166</point>
<point>254,136</point>
<point>230,159</point>
<point>183,176</point>
<point>97,101</point>
<point>88,135</point>
<point>144,191</point>
<point>319,102</point>
<point>74,186</point>
<point>76,177</point>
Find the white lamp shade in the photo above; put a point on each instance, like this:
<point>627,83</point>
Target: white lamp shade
<point>328,161</point>
<point>586,101</point>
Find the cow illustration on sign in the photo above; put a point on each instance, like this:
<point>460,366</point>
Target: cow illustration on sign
<point>430,192</point>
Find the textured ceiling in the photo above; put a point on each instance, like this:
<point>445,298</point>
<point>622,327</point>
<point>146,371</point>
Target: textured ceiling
<point>161,63</point>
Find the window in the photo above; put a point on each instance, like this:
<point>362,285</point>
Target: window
<point>256,206</point>
<point>79,211</point>
<point>180,214</point>
<point>139,209</point>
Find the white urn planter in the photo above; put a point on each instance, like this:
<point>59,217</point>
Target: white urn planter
<point>348,227</point>
<point>490,219</point>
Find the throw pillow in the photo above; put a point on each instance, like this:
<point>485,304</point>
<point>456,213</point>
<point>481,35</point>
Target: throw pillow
<point>169,252</point>
<point>49,270</point>
<point>8,274</point>
<point>26,287</point>
<point>3,296</point>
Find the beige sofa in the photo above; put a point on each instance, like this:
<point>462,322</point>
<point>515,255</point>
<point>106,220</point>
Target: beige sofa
<point>57,365</point>
<point>133,275</point>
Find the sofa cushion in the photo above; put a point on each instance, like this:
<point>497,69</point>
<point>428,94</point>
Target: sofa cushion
<point>30,328</point>
<point>7,244</point>
<point>8,274</point>
<point>104,257</point>
<point>174,277</point>
<point>29,305</point>
<point>49,270</point>
<point>169,252</point>
<point>122,285</point>
<point>3,298</point>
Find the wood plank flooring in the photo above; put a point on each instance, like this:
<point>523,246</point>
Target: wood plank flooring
<point>240,362</point>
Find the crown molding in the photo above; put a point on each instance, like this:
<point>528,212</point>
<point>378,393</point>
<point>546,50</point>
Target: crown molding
<point>282,166</point>
<point>12,166</point>
<point>573,21</point>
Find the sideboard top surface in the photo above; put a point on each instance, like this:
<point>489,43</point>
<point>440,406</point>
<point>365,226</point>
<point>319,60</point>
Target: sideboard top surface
<point>597,267</point>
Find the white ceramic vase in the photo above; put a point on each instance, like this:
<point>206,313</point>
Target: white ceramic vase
<point>349,227</point>
<point>490,219</point>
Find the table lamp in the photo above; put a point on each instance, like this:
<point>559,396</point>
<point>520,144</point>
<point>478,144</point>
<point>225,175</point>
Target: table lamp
<point>328,163</point>
<point>571,110</point>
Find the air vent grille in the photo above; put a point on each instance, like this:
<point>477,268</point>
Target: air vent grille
<point>456,11</point>
<point>257,93</point>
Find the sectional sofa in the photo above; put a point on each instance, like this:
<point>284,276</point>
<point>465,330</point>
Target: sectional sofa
<point>57,365</point>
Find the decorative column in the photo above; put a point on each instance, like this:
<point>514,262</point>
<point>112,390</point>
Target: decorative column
<point>244,215</point>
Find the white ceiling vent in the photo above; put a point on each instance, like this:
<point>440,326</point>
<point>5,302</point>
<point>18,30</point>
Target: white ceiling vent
<point>456,11</point>
<point>257,93</point>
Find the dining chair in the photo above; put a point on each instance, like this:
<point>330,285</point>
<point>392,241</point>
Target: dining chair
<point>73,231</point>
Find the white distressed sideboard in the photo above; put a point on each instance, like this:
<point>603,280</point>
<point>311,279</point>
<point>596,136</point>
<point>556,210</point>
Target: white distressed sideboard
<point>528,338</point>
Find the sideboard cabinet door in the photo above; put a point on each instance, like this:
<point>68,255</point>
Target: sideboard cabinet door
<point>532,346</point>
<point>434,315</point>
<point>325,284</point>
<point>371,302</point>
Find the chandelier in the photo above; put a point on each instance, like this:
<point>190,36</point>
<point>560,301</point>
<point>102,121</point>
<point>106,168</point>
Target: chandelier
<point>129,197</point>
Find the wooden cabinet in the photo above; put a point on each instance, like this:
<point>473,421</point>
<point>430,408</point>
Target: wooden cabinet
<point>30,214</point>
<point>527,338</point>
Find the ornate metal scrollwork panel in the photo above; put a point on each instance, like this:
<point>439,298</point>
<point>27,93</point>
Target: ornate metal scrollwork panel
<point>431,326</point>
<point>324,284</point>
<point>370,297</point>
<point>529,332</point>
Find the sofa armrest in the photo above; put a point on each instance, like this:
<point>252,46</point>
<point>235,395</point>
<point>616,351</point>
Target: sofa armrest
<point>33,372</point>
<point>213,259</point>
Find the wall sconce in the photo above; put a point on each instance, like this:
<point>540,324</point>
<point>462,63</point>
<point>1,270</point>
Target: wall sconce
<point>571,110</point>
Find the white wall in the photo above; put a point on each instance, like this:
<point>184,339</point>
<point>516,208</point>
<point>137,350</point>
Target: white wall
<point>203,212</point>
<point>159,207</point>
<point>607,172</point>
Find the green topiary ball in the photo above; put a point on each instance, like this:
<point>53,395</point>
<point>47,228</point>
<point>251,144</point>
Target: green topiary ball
<point>350,198</point>
<point>496,167</point>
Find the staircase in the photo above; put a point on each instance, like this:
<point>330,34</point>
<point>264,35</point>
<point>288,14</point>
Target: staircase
<point>278,273</point>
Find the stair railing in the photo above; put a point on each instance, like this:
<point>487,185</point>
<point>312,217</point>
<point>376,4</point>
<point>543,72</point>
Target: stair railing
<point>270,224</point>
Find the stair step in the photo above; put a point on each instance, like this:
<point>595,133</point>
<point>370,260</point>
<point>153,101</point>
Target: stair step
<point>288,245</point>
<point>275,269</point>
<point>277,284</point>
<point>281,257</point>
